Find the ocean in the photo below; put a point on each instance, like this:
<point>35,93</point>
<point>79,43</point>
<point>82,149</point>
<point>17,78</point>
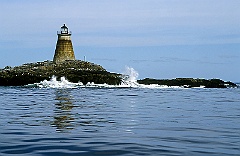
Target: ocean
<point>59,118</point>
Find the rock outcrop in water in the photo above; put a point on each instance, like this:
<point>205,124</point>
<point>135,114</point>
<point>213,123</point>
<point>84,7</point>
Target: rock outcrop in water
<point>80,71</point>
<point>189,82</point>
<point>74,70</point>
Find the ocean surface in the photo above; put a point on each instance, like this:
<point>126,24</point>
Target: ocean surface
<point>128,121</point>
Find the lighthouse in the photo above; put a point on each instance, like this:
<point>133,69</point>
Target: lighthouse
<point>64,48</point>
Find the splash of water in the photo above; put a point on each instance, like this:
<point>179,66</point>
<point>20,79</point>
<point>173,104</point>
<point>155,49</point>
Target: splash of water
<point>131,73</point>
<point>129,80</point>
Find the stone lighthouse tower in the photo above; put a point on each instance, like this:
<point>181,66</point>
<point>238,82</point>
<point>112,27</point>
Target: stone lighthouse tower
<point>64,49</point>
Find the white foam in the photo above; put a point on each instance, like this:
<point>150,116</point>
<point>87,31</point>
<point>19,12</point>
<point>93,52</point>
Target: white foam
<point>53,83</point>
<point>129,80</point>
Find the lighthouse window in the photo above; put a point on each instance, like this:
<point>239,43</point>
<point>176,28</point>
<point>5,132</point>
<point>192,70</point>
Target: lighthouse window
<point>64,30</point>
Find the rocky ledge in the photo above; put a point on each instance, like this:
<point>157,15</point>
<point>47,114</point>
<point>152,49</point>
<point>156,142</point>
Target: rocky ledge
<point>189,82</point>
<point>74,70</point>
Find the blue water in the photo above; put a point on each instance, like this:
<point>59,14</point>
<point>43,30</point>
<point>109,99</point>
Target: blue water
<point>119,121</point>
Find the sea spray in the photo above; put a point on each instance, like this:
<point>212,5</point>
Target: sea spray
<point>129,80</point>
<point>130,76</point>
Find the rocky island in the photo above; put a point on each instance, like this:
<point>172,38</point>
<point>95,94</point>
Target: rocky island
<point>73,70</point>
<point>189,82</point>
<point>81,71</point>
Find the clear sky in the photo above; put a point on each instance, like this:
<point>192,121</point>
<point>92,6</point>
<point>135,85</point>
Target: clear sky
<point>158,38</point>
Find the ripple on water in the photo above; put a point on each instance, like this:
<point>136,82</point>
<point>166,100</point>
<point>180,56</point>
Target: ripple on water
<point>130,121</point>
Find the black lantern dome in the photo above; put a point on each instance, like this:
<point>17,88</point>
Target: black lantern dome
<point>64,29</point>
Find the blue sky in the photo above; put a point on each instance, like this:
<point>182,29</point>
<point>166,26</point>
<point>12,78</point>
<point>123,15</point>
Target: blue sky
<point>158,38</point>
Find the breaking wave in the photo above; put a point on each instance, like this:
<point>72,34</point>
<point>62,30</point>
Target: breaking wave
<point>130,76</point>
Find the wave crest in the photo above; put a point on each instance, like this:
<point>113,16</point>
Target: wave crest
<point>129,80</point>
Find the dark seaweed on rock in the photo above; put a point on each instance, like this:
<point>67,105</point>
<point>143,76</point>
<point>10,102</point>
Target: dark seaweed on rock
<point>73,70</point>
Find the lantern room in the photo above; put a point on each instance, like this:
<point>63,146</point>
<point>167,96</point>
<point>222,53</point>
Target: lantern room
<point>64,30</point>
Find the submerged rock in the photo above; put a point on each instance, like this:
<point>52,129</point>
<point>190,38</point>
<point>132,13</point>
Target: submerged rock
<point>73,70</point>
<point>189,82</point>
